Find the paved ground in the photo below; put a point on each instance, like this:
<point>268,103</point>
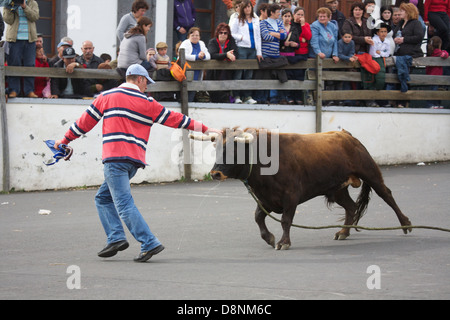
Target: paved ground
<point>214,251</point>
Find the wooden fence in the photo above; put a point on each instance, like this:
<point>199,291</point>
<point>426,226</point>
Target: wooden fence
<point>318,71</point>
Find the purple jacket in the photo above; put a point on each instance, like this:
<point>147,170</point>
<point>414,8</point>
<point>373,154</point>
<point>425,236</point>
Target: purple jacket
<point>184,14</point>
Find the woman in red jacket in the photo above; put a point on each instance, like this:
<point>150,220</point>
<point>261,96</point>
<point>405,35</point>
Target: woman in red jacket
<point>436,14</point>
<point>301,52</point>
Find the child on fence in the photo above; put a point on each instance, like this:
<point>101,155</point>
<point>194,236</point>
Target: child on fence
<point>346,53</point>
<point>434,50</point>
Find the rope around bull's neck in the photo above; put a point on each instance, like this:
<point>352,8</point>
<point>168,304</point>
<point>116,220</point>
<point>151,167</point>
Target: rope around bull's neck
<point>249,188</point>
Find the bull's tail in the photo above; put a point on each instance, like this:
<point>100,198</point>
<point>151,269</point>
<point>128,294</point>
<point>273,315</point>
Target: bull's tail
<point>362,202</point>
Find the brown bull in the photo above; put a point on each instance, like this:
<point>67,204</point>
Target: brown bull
<point>309,165</point>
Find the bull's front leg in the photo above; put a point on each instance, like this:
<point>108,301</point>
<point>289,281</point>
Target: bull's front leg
<point>260,218</point>
<point>286,223</point>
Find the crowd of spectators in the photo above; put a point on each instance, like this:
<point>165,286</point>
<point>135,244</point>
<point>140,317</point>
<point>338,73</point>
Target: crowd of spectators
<point>272,34</point>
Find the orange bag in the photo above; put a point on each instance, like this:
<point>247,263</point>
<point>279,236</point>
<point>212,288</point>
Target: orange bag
<point>178,73</point>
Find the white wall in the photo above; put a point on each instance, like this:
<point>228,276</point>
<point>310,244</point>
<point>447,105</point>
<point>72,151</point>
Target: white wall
<point>399,136</point>
<point>85,20</point>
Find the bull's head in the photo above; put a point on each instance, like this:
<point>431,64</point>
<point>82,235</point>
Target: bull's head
<point>240,153</point>
<point>233,152</point>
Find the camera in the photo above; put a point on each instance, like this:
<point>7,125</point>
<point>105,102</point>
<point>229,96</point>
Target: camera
<point>17,2</point>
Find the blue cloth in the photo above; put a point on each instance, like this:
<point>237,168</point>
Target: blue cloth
<point>402,63</point>
<point>114,203</point>
<point>57,154</point>
<point>195,51</point>
<point>22,32</point>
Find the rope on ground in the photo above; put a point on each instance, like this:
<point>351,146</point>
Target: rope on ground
<point>339,226</point>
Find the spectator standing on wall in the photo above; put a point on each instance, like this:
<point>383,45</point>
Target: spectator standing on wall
<point>287,49</point>
<point>272,34</point>
<point>301,52</point>
<point>195,49</point>
<point>183,17</point>
<point>21,36</point>
<point>128,21</point>
<point>40,82</point>
<point>437,14</point>
<point>408,36</point>
<point>410,41</point>
<point>223,48</point>
<point>357,26</point>
<point>324,36</point>
<point>336,15</point>
<point>246,32</point>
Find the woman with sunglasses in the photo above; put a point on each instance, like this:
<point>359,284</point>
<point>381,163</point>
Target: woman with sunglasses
<point>221,47</point>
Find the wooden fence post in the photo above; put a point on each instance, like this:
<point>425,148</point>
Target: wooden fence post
<point>185,110</point>
<point>319,87</point>
<point>4,124</point>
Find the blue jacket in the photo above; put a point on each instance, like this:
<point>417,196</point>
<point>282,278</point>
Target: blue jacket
<point>324,39</point>
<point>346,50</point>
<point>183,14</point>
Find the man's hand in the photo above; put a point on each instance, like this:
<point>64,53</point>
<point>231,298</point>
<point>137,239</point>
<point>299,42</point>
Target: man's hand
<point>57,143</point>
<point>212,130</point>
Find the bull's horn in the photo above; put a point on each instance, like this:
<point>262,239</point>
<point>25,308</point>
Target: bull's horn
<point>244,138</point>
<point>203,137</point>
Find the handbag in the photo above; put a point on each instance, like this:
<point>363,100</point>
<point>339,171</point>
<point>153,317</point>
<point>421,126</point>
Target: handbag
<point>177,72</point>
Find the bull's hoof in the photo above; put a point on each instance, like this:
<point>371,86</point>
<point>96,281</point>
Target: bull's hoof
<point>283,246</point>
<point>340,236</point>
<point>405,231</point>
<point>270,240</point>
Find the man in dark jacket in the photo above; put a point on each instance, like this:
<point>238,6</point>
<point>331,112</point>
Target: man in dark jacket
<point>336,15</point>
<point>68,87</point>
<point>183,17</point>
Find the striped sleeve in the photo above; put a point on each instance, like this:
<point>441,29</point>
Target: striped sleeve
<point>175,119</point>
<point>84,124</point>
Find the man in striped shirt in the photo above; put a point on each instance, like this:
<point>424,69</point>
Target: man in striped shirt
<point>128,115</point>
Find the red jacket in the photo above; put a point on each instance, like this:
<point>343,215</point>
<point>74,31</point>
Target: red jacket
<point>437,71</point>
<point>40,82</point>
<point>128,116</point>
<point>304,36</point>
<point>435,6</point>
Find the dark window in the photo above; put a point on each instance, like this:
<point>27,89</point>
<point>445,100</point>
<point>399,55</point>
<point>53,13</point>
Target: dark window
<point>46,25</point>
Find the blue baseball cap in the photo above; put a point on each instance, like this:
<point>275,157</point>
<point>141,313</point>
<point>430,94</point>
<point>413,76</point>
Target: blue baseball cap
<point>138,70</point>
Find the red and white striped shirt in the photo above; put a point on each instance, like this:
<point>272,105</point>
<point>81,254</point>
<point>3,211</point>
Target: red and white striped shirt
<point>128,116</point>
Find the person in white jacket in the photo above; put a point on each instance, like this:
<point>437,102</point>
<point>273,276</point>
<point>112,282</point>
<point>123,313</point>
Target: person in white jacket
<point>246,32</point>
<point>195,49</point>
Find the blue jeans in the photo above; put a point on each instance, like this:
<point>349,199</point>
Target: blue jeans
<point>114,202</point>
<point>244,53</point>
<point>21,53</point>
